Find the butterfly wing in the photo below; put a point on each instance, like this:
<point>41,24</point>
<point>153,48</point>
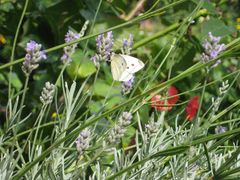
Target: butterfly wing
<point>126,76</point>
<point>118,66</point>
<point>133,64</point>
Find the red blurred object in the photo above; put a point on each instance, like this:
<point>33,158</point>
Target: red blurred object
<point>192,108</point>
<point>156,101</point>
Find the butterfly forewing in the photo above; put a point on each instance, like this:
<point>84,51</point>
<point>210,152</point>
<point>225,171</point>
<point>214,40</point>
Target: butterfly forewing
<point>133,64</point>
<point>118,66</point>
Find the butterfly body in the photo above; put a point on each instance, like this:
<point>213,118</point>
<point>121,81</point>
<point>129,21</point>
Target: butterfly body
<point>123,67</point>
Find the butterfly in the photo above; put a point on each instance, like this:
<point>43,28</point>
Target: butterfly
<point>123,67</point>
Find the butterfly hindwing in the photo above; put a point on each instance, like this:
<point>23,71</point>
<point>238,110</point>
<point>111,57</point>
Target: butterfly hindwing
<point>118,66</point>
<point>126,76</point>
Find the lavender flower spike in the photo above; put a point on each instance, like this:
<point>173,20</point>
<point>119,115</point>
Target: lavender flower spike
<point>104,45</point>
<point>69,50</point>
<point>47,93</point>
<point>71,36</point>
<point>220,129</point>
<point>127,86</point>
<point>212,48</point>
<point>100,43</point>
<point>119,129</point>
<point>109,45</point>
<point>33,57</point>
<point>127,45</point>
<point>83,141</point>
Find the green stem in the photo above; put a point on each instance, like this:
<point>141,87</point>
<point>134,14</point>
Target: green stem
<point>23,98</point>
<point>155,36</point>
<point>61,73</point>
<point>14,47</point>
<point>41,114</point>
<point>153,6</point>
<point>93,87</point>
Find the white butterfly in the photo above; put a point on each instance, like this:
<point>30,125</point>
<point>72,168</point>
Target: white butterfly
<point>123,67</point>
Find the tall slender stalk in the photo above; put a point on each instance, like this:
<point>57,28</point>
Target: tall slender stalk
<point>13,52</point>
<point>23,97</point>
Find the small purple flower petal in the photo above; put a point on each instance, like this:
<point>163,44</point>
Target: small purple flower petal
<point>32,46</point>
<point>83,141</point>
<point>71,36</point>
<point>125,43</point>
<point>99,42</point>
<point>127,86</point>
<point>213,54</point>
<point>220,129</point>
<point>43,55</point>
<point>212,48</point>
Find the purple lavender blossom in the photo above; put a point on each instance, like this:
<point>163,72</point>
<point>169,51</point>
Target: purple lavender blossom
<point>127,45</point>
<point>69,50</point>
<point>127,86</point>
<point>32,46</point>
<point>108,45</point>
<point>71,36</point>
<point>33,49</point>
<point>33,57</point>
<point>94,59</point>
<point>83,141</point>
<point>220,129</point>
<point>104,45</point>
<point>212,48</point>
<point>100,43</point>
